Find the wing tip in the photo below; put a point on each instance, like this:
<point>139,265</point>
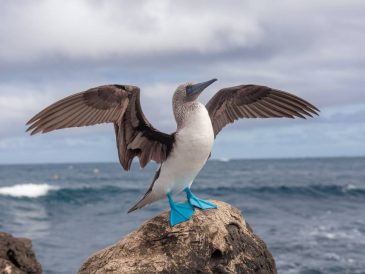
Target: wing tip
<point>33,119</point>
<point>313,107</point>
<point>314,110</point>
<point>35,132</point>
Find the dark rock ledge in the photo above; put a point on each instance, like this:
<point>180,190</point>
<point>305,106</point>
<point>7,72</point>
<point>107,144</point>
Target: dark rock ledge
<point>213,241</point>
<point>16,256</point>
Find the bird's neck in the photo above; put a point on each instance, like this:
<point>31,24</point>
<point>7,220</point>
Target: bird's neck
<point>184,112</point>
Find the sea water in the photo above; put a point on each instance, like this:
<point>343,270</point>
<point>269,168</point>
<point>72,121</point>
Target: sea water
<point>310,212</point>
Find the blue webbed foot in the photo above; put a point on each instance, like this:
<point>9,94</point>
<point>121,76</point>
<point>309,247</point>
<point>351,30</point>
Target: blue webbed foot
<point>195,201</point>
<point>179,212</point>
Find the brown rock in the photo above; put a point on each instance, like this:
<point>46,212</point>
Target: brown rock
<point>16,256</point>
<point>213,241</point>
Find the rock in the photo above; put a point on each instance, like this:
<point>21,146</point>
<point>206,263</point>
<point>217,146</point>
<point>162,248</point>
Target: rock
<point>16,256</point>
<point>213,241</point>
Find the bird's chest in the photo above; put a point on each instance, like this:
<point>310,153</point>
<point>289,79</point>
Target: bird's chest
<point>195,140</point>
<point>193,144</point>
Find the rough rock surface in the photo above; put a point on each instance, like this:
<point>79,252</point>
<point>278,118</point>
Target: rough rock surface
<point>16,256</point>
<point>213,241</point>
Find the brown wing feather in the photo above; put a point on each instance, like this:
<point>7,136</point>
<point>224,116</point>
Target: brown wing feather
<point>116,104</point>
<point>82,109</point>
<point>253,101</point>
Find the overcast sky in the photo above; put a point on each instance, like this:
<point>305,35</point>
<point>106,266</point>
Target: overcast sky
<point>313,48</point>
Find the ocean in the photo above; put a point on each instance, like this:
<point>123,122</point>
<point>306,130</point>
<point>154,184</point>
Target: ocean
<point>309,212</point>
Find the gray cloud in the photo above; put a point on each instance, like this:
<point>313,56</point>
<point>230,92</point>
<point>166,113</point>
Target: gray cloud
<point>51,49</point>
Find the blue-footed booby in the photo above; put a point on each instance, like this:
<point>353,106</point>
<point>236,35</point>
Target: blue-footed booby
<point>182,154</point>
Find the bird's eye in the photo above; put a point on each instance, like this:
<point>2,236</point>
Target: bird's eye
<point>188,89</point>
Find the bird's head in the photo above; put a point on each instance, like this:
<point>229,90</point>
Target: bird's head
<point>189,92</point>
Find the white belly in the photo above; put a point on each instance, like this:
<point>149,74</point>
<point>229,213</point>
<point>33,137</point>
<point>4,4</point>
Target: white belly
<point>193,144</point>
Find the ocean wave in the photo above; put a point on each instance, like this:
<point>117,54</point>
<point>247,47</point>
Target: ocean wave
<point>86,194</point>
<point>309,190</point>
<point>50,193</point>
<point>54,193</point>
<point>27,190</point>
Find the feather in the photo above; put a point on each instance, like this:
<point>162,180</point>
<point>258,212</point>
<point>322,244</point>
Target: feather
<point>117,104</point>
<point>253,101</point>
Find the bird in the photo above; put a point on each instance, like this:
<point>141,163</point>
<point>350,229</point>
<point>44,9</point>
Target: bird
<point>182,154</point>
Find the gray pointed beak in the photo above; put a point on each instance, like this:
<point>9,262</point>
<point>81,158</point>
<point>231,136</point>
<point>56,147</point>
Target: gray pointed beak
<point>196,89</point>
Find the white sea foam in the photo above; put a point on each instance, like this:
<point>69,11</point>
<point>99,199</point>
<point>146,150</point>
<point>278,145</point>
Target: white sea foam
<point>350,187</point>
<point>224,159</point>
<point>27,190</point>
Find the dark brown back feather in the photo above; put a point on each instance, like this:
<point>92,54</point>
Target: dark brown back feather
<point>253,101</point>
<point>137,137</point>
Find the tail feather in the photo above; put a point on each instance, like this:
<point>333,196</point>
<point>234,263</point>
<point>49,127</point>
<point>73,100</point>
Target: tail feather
<point>148,198</point>
<point>150,195</point>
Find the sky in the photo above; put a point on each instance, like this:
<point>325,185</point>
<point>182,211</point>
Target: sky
<point>313,48</point>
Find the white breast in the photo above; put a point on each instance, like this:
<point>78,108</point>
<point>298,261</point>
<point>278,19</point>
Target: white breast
<point>193,144</point>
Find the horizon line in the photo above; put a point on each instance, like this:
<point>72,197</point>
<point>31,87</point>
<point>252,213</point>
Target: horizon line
<point>222,159</point>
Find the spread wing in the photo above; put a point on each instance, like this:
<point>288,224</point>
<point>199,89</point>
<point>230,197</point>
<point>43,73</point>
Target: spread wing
<point>115,104</point>
<point>253,101</point>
